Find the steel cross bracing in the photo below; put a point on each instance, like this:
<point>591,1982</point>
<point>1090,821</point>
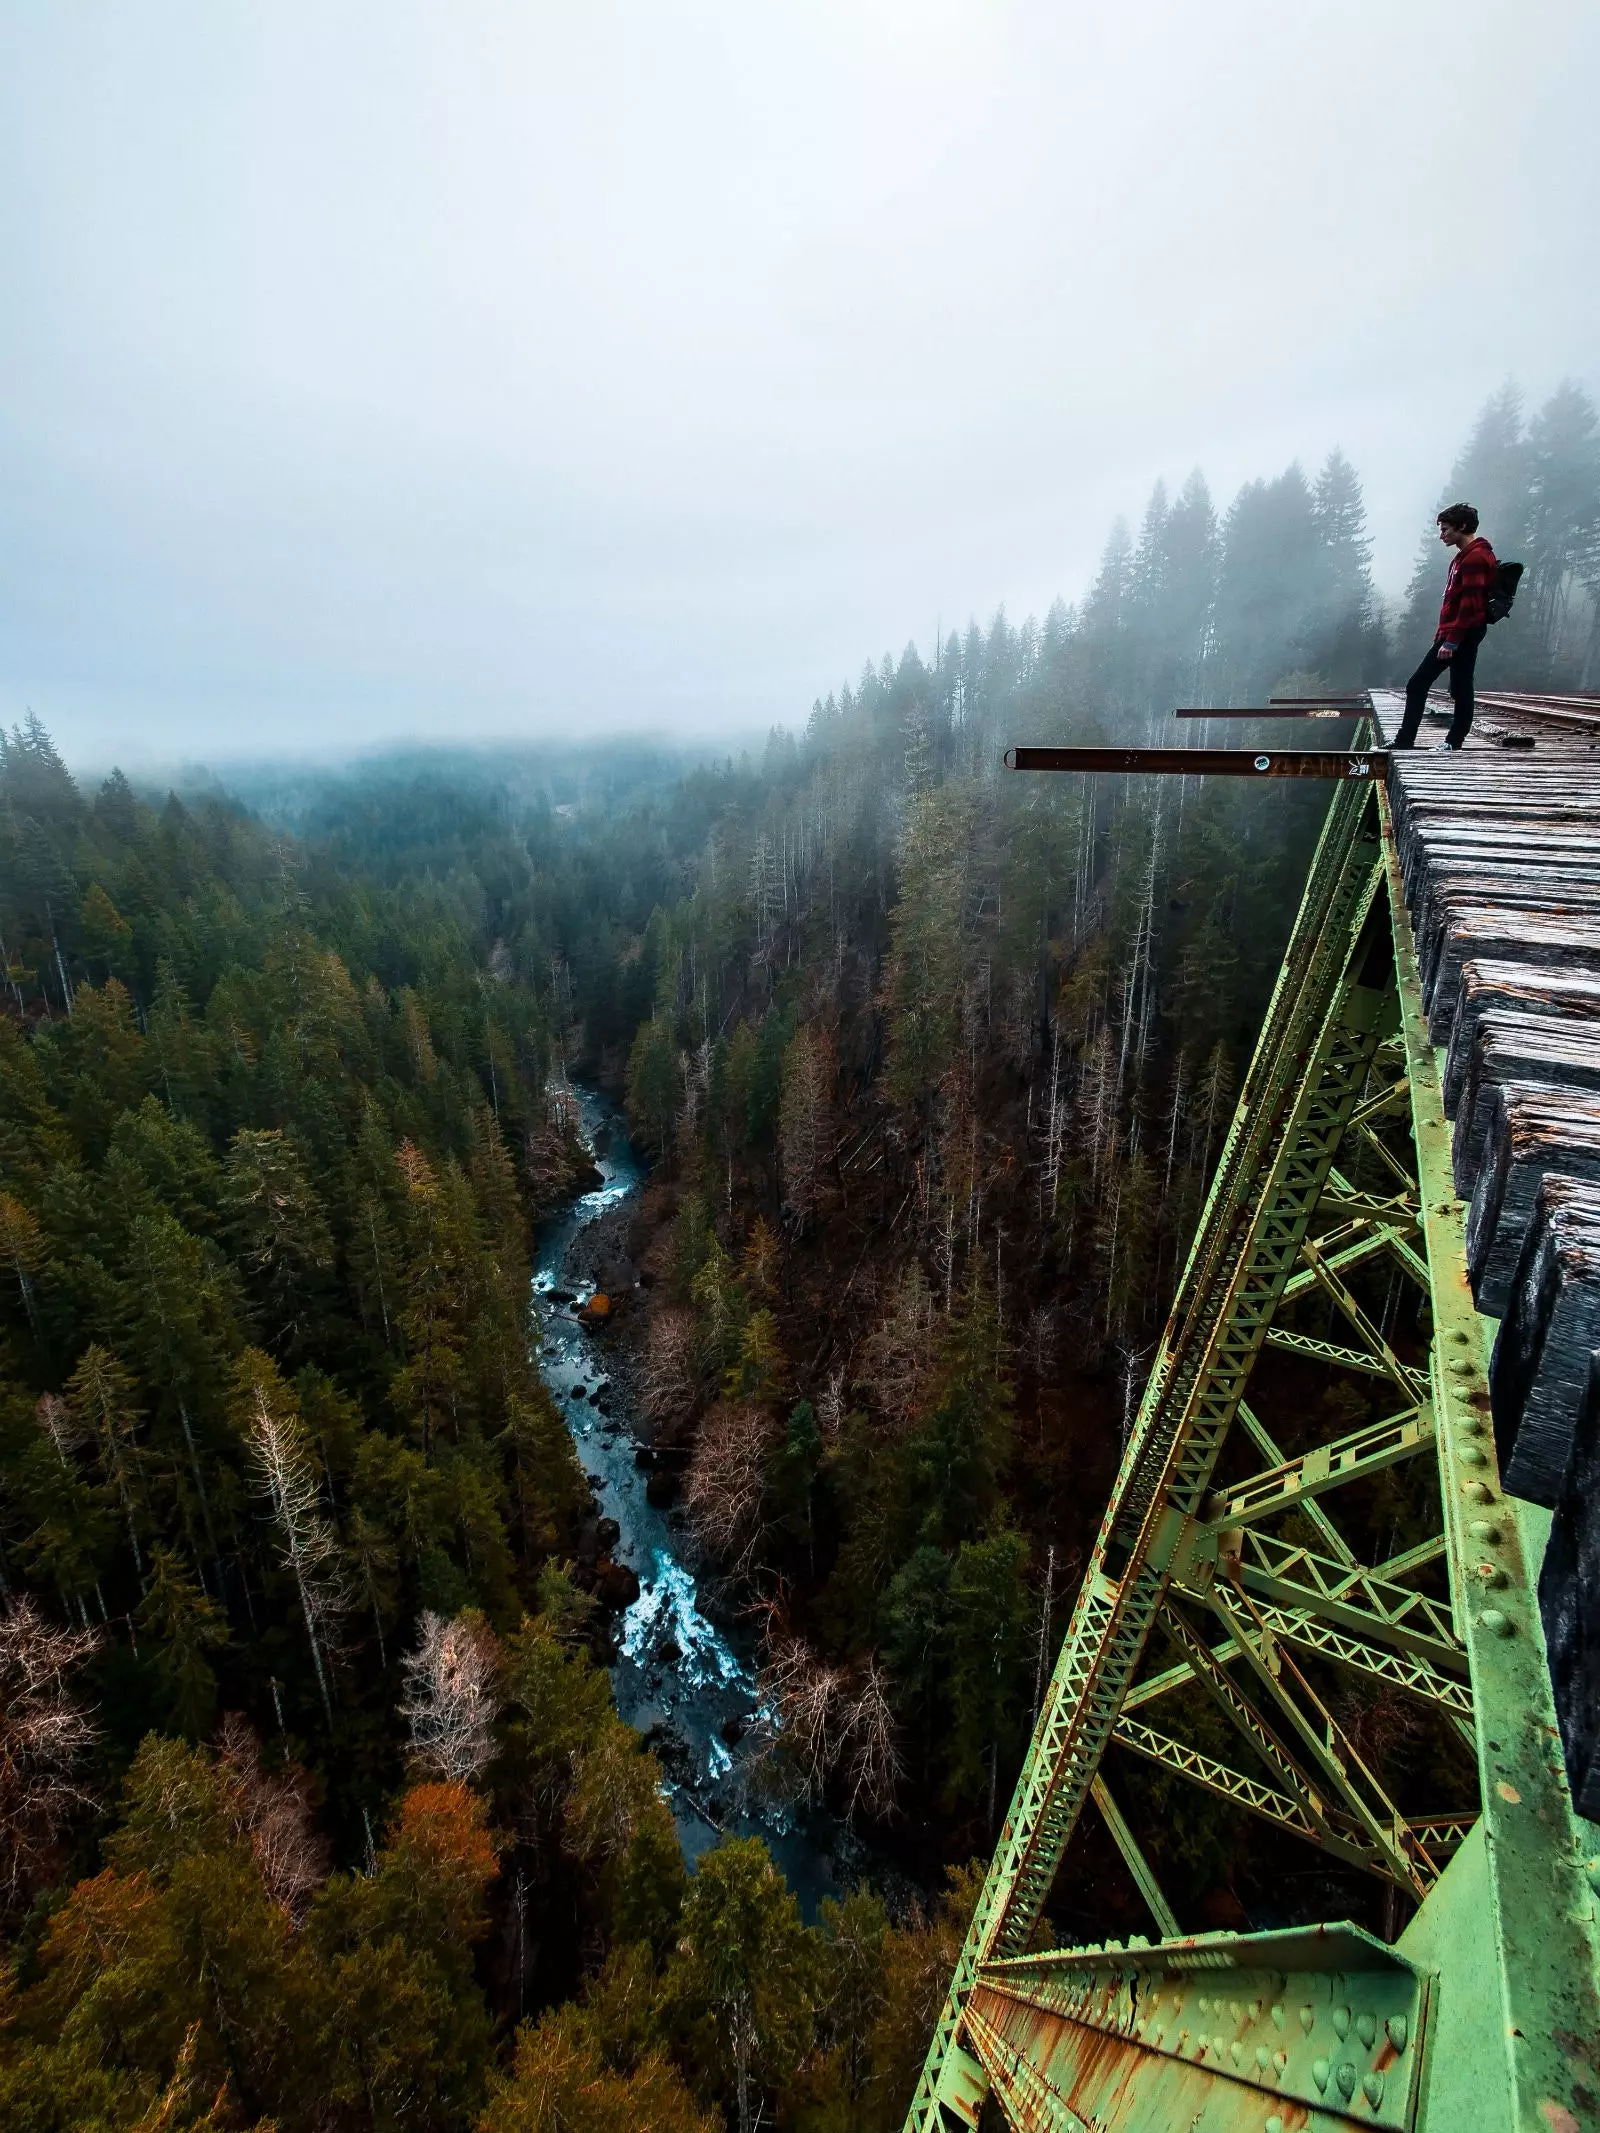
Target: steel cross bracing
<point>1333,1181</point>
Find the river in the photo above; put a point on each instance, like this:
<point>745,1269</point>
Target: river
<point>697,1710</point>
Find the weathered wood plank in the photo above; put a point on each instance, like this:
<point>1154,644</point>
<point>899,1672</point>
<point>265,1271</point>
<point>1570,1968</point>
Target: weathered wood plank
<point>1524,988</point>
<point>1532,1130</point>
<point>1556,1054</point>
<point>1540,1371</point>
<point>1563,939</point>
<point>1569,1602</point>
<point>1552,890</point>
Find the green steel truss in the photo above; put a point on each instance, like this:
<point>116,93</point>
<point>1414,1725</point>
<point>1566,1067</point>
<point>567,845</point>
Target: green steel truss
<point>1232,1575</point>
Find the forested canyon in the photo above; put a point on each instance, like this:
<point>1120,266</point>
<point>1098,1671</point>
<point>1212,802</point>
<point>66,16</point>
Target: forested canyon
<point>315,1807</point>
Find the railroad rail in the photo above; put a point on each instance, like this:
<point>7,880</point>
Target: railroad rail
<point>1365,1475</point>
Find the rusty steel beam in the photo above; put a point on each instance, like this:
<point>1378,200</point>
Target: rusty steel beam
<point>1313,707</point>
<point>1368,763</point>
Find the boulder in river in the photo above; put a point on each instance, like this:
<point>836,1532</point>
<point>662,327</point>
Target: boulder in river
<point>607,1533</point>
<point>660,1489</point>
<point>669,1651</point>
<point>597,1308</point>
<point>644,1458</point>
<point>731,1731</point>
<point>615,1585</point>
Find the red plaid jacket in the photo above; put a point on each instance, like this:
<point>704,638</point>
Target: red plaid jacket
<point>1467,590</point>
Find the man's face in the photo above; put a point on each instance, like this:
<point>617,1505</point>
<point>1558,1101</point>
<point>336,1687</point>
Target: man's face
<point>1452,536</point>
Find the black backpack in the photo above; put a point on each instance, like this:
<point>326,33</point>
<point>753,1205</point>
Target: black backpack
<point>1507,577</point>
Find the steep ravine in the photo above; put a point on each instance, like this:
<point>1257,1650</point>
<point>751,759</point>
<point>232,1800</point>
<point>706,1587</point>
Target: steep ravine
<point>682,1675</point>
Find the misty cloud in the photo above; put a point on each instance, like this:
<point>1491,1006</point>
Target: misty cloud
<point>474,370</point>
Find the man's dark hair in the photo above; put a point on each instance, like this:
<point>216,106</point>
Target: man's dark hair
<point>1460,516</point>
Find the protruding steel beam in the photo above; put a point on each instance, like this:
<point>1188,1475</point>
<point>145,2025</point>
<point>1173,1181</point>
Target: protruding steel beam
<point>1368,763</point>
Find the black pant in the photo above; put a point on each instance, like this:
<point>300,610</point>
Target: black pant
<point>1460,667</point>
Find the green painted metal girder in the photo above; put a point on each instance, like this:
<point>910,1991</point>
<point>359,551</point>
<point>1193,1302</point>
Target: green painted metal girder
<point>1133,1857</point>
<point>1368,1240</point>
<point>1332,1354</point>
<point>1261,1437</point>
<point>1306,1079</point>
<point>1402,1670</point>
<point>1334,1755</point>
<point>1411,1560</point>
<point>1506,1942</point>
<point>1371,1606</point>
<point>1353,1457</point>
<point>1321,2028</point>
<point>1540,1914</point>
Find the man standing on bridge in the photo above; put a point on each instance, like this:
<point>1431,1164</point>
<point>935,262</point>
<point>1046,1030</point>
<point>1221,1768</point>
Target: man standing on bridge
<point>1463,619</point>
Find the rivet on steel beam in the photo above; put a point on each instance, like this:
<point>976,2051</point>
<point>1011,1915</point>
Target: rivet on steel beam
<point>1478,1492</point>
<point>1484,1529</point>
<point>1319,2072</point>
<point>1366,2028</point>
<point>1346,2079</point>
<point>1279,2061</point>
<point>1277,2015</point>
<point>1591,1868</point>
<point>1398,2031</point>
<point>1308,2018</point>
<point>1498,1624</point>
<point>1372,2088</point>
<point>1341,2023</point>
<point>1473,1455</point>
<point>1273,2125</point>
<point>1263,2057</point>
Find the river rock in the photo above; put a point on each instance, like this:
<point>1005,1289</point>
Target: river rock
<point>661,1489</point>
<point>731,1732</point>
<point>615,1585</point>
<point>644,1458</point>
<point>669,1651</point>
<point>607,1533</point>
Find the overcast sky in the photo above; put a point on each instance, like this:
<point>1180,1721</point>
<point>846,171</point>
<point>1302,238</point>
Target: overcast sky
<point>460,369</point>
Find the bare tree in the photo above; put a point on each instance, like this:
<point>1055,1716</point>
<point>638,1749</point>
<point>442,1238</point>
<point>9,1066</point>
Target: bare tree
<point>872,1762</point>
<point>285,1470</point>
<point>64,1429</point>
<point>275,1813</point>
<point>801,1696</point>
<point>44,1733</point>
<point>671,1377</point>
<point>820,1718</point>
<point>899,1353</point>
<point>830,1406</point>
<point>805,1139</point>
<point>451,1698</point>
<point>727,1479</point>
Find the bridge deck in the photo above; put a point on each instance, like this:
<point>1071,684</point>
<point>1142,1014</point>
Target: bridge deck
<point>1499,848</point>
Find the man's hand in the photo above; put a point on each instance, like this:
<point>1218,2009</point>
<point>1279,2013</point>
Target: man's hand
<point>1444,651</point>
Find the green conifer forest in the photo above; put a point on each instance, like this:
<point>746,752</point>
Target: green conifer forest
<point>315,1808</point>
